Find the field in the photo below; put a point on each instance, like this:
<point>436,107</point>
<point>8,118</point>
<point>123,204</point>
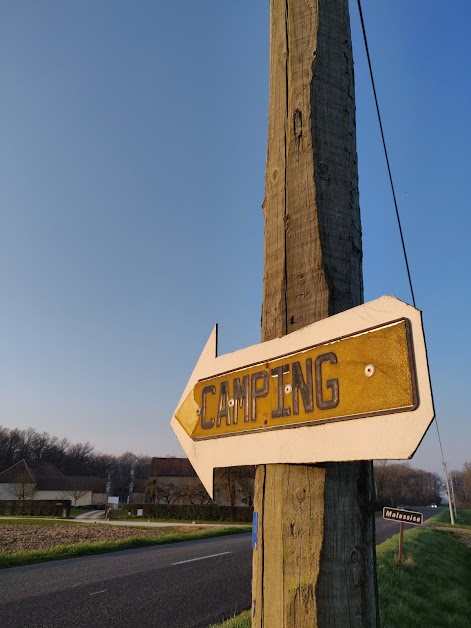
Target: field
<point>431,588</point>
<point>29,541</point>
<point>44,536</point>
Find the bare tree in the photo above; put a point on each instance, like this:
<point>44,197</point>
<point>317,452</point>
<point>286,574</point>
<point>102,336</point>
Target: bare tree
<point>402,484</point>
<point>76,490</point>
<point>196,494</point>
<point>462,485</point>
<point>163,493</point>
<point>247,489</point>
<point>23,487</point>
<point>167,493</point>
<point>234,484</point>
<point>78,459</point>
<point>151,490</point>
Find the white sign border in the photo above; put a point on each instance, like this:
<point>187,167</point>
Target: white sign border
<point>386,437</point>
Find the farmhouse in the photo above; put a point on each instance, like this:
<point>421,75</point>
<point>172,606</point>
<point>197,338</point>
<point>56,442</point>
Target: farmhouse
<point>42,480</point>
<point>174,481</point>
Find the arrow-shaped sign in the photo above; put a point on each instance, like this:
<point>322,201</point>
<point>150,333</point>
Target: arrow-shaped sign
<point>350,387</point>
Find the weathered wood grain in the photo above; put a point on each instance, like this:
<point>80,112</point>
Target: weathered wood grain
<point>315,561</point>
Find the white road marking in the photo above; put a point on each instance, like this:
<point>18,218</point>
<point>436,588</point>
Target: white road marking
<point>97,592</point>
<point>192,560</point>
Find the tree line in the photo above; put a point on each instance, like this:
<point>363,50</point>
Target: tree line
<point>73,459</point>
<point>400,484</point>
<point>395,484</point>
<point>462,486</point>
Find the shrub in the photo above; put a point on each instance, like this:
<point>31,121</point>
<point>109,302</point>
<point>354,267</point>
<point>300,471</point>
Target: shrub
<point>192,512</point>
<point>35,507</point>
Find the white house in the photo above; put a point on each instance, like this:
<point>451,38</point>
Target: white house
<point>42,480</point>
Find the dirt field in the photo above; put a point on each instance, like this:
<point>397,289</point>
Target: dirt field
<point>14,538</point>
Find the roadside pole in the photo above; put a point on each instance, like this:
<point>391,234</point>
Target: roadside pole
<point>453,494</point>
<point>450,505</point>
<point>401,515</point>
<point>314,564</point>
<point>330,393</point>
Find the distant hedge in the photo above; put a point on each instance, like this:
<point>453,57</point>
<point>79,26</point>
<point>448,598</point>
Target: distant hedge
<point>34,507</point>
<point>207,512</point>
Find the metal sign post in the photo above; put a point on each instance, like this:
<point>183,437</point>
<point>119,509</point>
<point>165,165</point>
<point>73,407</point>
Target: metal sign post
<point>403,516</point>
<point>401,542</point>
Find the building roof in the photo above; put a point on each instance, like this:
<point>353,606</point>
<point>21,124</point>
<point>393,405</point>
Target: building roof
<point>42,470</point>
<point>72,483</point>
<point>171,467</point>
<point>181,467</point>
<point>26,468</point>
<point>47,477</point>
<point>18,470</point>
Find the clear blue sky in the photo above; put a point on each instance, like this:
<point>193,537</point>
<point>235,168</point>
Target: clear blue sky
<point>133,139</point>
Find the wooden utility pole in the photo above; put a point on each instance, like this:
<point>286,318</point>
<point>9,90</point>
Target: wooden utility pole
<point>314,564</point>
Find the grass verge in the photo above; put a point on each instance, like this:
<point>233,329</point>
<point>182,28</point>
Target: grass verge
<point>37,521</point>
<point>239,621</point>
<point>463,519</point>
<point>121,515</point>
<point>431,588</point>
<point>61,552</point>
<point>75,512</point>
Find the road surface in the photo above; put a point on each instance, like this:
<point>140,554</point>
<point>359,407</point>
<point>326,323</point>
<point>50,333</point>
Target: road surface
<point>183,585</point>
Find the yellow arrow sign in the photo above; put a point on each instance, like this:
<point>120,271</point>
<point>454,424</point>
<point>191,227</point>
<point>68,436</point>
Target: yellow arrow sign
<point>354,386</point>
<point>364,374</point>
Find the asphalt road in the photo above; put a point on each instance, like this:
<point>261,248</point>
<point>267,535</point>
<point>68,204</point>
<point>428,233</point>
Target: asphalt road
<point>162,587</point>
<point>184,585</point>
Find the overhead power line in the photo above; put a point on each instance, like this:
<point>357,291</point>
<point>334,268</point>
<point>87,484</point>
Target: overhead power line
<point>365,39</point>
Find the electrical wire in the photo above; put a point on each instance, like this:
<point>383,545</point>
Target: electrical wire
<point>365,39</point>
<point>385,149</point>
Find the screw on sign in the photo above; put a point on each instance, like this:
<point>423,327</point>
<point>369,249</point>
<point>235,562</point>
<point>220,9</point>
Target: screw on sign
<point>403,516</point>
<point>354,386</point>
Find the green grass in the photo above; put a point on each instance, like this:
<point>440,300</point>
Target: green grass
<point>36,521</point>
<point>87,549</point>
<point>124,519</point>
<point>19,516</point>
<point>74,512</point>
<point>463,519</point>
<point>122,515</point>
<point>239,621</point>
<point>429,590</point>
<point>432,587</point>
